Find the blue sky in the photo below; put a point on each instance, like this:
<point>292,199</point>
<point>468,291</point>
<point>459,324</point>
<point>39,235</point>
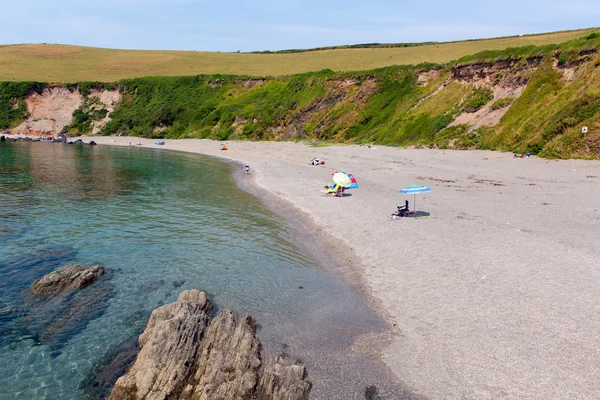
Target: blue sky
<point>274,25</point>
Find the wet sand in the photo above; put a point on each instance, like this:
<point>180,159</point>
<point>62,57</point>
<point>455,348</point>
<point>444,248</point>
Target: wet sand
<point>491,294</point>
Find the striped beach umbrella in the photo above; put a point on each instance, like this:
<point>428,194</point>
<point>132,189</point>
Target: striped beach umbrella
<point>414,190</point>
<point>341,179</point>
<point>353,184</point>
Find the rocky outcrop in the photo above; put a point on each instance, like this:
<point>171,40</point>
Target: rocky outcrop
<point>283,378</point>
<point>169,350</point>
<point>186,355</point>
<point>69,277</point>
<point>57,306</point>
<point>229,361</point>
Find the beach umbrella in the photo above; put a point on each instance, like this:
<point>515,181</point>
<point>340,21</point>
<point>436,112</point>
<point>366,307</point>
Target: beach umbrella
<point>414,190</point>
<point>341,179</point>
<point>353,184</point>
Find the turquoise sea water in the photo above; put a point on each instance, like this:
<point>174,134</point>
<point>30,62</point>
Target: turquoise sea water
<point>161,222</point>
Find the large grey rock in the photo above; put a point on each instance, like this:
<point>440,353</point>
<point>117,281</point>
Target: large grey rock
<point>169,349</point>
<point>229,362</point>
<point>185,356</point>
<point>284,378</point>
<point>69,277</point>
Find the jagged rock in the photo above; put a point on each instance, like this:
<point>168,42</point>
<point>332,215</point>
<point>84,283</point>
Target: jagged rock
<point>371,393</point>
<point>69,277</point>
<point>229,362</point>
<point>284,378</point>
<point>169,349</point>
<point>185,356</point>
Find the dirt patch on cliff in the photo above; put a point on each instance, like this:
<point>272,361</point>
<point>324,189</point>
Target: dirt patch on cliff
<point>49,111</point>
<point>323,111</point>
<point>425,77</point>
<point>108,99</point>
<point>251,83</point>
<point>487,115</point>
<point>506,79</point>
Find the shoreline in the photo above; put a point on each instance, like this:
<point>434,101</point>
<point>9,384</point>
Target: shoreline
<point>491,294</point>
<point>313,241</point>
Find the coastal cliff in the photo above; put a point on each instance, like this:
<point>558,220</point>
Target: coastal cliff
<point>532,99</point>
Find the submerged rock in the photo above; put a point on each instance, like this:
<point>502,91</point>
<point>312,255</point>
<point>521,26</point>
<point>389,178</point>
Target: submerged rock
<point>69,277</point>
<point>63,302</point>
<point>55,319</point>
<point>184,355</point>
<point>51,310</point>
<point>283,378</point>
<point>113,364</point>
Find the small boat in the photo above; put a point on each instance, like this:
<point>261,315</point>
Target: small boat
<point>159,142</point>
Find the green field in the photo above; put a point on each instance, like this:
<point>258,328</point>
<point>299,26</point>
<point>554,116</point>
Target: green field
<point>62,63</point>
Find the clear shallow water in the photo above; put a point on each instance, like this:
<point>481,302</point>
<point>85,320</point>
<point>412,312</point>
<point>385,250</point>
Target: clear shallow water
<point>161,222</point>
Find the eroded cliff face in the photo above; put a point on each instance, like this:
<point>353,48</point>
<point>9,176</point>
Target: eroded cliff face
<point>51,111</point>
<point>106,99</point>
<point>528,103</point>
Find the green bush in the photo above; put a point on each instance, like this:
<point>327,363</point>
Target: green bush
<point>502,103</point>
<point>477,98</point>
<point>13,109</point>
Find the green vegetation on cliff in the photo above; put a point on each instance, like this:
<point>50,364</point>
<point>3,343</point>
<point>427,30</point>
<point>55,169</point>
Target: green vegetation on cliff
<point>13,109</point>
<point>533,99</point>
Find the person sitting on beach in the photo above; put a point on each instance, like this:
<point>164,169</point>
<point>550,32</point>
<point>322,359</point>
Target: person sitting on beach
<point>403,210</point>
<point>333,188</point>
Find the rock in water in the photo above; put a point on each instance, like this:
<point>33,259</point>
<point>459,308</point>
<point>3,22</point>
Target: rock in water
<point>113,364</point>
<point>185,356</point>
<point>169,349</point>
<point>283,378</point>
<point>229,362</point>
<point>69,277</point>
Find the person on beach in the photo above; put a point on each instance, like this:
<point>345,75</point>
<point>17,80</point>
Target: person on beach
<point>247,169</point>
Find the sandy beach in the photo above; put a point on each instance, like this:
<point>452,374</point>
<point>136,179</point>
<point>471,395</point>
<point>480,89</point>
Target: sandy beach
<point>493,293</point>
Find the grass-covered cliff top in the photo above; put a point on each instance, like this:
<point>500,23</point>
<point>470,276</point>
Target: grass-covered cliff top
<point>62,63</point>
<point>535,99</point>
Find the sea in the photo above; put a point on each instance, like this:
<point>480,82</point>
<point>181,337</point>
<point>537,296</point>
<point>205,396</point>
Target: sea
<point>161,222</point>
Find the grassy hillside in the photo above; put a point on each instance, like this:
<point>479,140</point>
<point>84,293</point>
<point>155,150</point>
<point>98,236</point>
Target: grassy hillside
<point>534,99</point>
<point>61,63</point>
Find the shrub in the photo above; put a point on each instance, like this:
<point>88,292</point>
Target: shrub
<point>477,98</point>
<point>13,109</point>
<point>502,103</point>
